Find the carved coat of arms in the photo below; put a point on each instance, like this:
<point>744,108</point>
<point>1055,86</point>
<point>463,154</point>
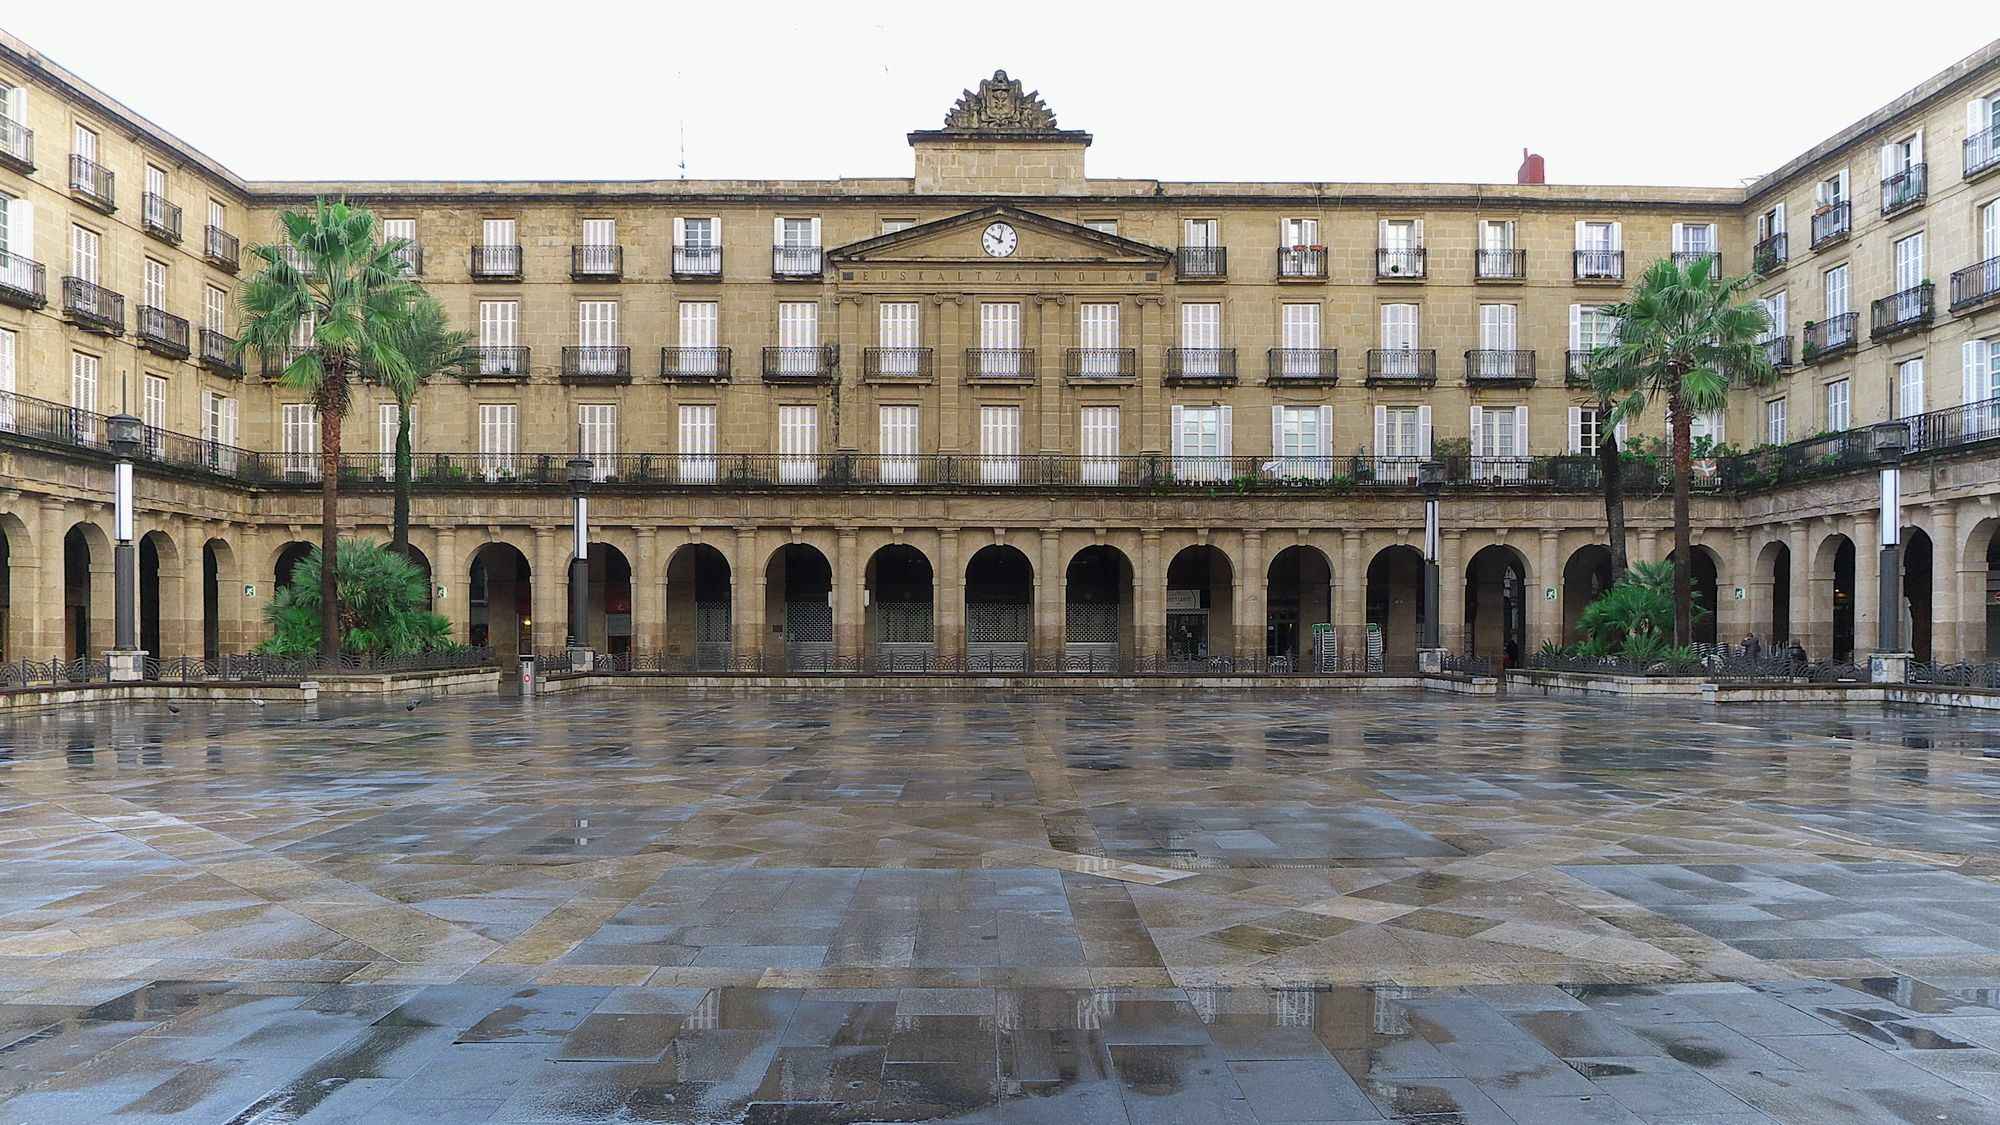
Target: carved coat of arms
<point>999,106</point>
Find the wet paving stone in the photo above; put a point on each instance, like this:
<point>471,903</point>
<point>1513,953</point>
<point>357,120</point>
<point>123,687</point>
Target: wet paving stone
<point>1090,907</point>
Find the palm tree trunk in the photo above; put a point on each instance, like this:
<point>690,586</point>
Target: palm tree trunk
<point>1611,469</point>
<point>400,539</point>
<point>330,416</point>
<point>1682,427</point>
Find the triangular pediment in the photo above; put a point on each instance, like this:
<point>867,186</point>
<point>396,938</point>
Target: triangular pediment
<point>1039,241</point>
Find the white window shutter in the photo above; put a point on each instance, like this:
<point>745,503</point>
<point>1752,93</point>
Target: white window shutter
<point>1887,158</point>
<point>21,228</point>
<point>1382,431</point>
<point>1778,219</point>
<point>1382,232</point>
<point>1621,430</point>
<point>1579,235</point>
<point>680,232</point>
<point>1520,431</point>
<point>1617,236</point>
<point>1224,443</point>
<point>715,231</point>
<point>1576,429</point>
<point>1325,432</point>
<point>1715,427</point>
<point>1975,117</point>
<point>815,231</point>
<point>1477,447</point>
<point>1174,439</point>
<point>1917,148</point>
<point>1417,233</point>
<point>1277,430</point>
<point>1679,229</point>
<point>1576,328</point>
<point>1978,353</point>
<point>777,230</point>
<point>1423,431</point>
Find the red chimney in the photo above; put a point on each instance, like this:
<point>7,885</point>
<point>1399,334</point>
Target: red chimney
<point>1532,171</point>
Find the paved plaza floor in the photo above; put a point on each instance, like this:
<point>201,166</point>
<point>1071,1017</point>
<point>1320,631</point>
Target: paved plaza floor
<point>1084,907</point>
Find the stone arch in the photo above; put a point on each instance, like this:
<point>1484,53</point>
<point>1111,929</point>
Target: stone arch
<point>219,598</point>
<point>285,559</point>
<point>1705,573</point>
<point>500,599</point>
<point>1298,596</point>
<point>1586,575</point>
<point>1395,607</point>
<point>899,612</point>
<point>1099,614</point>
<point>16,620</point>
<point>87,590</point>
<point>1833,594</point>
<point>1772,582</point>
<point>1919,556</point>
<point>1496,604</point>
<point>1200,608</point>
<point>699,605</point>
<point>607,626</point>
<point>159,578</point>
<point>798,603</point>
<point>999,608</point>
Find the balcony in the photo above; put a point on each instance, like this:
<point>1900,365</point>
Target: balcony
<point>797,262</point>
<point>218,354</point>
<point>596,263</point>
<point>1768,256</point>
<point>162,333</point>
<point>1499,265</point>
<point>276,360</point>
<point>1201,263</point>
<point>220,248</point>
<point>1971,288</point>
<point>1499,367</point>
<point>697,263</point>
<point>17,145</point>
<point>1209,366</point>
<point>1417,367</point>
<point>1899,314</point>
<point>500,361</point>
<point>899,364</point>
<point>1302,263</point>
<point>496,263</point>
<point>1830,338</point>
<point>161,219</point>
<point>801,365</point>
<point>1100,363</point>
<point>1982,152</point>
<point>597,363</point>
<point>1831,224</point>
<point>1576,370</point>
<point>1302,366</point>
<point>1906,188</point>
<point>22,282</point>
<point>1399,264</point>
<point>92,308</point>
<point>93,183</point>
<point>1778,349</point>
<point>1685,259</point>
<point>1600,265</point>
<point>694,365</point>
<point>1000,364</point>
<point>412,257</point>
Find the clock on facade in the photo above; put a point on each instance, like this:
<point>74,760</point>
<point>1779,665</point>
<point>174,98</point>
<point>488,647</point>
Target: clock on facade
<point>999,240</point>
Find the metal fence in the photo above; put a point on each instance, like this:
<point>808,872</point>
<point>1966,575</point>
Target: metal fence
<point>1963,674</point>
<point>1083,659</point>
<point>240,667</point>
<point>1719,663</point>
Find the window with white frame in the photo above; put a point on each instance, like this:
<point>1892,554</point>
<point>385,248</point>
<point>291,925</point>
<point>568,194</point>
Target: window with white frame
<point>999,340</point>
<point>1774,421</point>
<point>218,428</point>
<point>1910,388</point>
<point>1771,222</point>
<point>215,309</point>
<point>83,383</point>
<point>388,420</point>
<point>497,234</point>
<point>1908,254</point>
<point>1402,441</point>
<point>1201,442</point>
<point>499,336</point>
<point>698,245</point>
<point>597,437</point>
<point>1300,252</point>
<point>899,334</point>
<point>1496,256</point>
<point>1775,309</point>
<point>1497,357</point>
<point>597,337</point>
<point>1102,226</point>
<point>1098,431</point>
<point>1832,191</point>
<point>1201,339</point>
<point>499,438</point>
<point>1586,430</point>
<point>298,436</point>
<point>1400,247</point>
<point>1302,442</point>
<point>83,255</point>
<point>1101,355</point>
<point>1837,415</point>
<point>1298,338</point>
<point>154,204</point>
<point>999,444</point>
<point>84,142</point>
<point>798,443</point>
<point>600,246</point>
<point>1989,247</point>
<point>155,280</point>
<point>17,226</point>
<point>798,233</point>
<point>1590,328</point>
<point>1600,251</point>
<point>394,230</point>
<point>1399,341</point>
<point>153,412</point>
<point>1982,133</point>
<point>1899,157</point>
<point>700,352</point>
<point>8,342</point>
<point>698,442</point>
<point>795,245</point>
<point>798,337</point>
<point>1693,240</point>
<point>896,429</point>
<point>1838,330</point>
<point>891,226</point>
<point>1499,442</point>
<point>1981,371</point>
<point>1705,429</point>
<point>14,112</point>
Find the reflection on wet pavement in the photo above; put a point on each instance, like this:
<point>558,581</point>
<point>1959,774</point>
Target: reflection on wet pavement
<point>1090,907</point>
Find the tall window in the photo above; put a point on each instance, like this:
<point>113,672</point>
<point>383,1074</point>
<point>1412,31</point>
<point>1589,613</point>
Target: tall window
<point>1981,371</point>
<point>83,256</point>
<point>1201,339</point>
<point>1300,252</point>
<point>83,383</point>
<point>1585,433</point>
<point>698,443</point>
<point>698,245</point>
<point>1098,430</point>
<point>899,353</point>
<point>499,437</point>
<point>1298,332</point>
<point>798,443</point>
<point>501,252</point>
<point>1499,442</point>
<point>218,428</point>
<point>1301,441</point>
<point>153,412</point>
<point>156,284</point>
<point>1201,247</point>
<point>1909,258</point>
<point>1000,339</point>
<point>798,233</point>
<point>1497,340</point>
<point>1100,339</point>
<point>7,344</point>
<point>1599,250</point>
<point>798,333</point>
<point>1399,340</point>
<point>1910,388</point>
<point>1000,444</point>
<point>1774,421</point>
<point>1832,191</point>
<point>600,246</point>
<point>1838,331</point>
<point>1201,442</point>
<point>84,143</point>
<point>1837,417</point>
<point>497,233</point>
<point>298,430</point>
<point>499,335</point>
<point>154,204</point>
<point>387,422</point>
<point>1400,252</point>
<point>1402,441</point>
<point>597,336</point>
<point>897,433</point>
<point>215,308</point>
<point>597,428</point>
<point>699,350</point>
<point>1694,240</point>
<point>1775,308</point>
<point>1496,234</point>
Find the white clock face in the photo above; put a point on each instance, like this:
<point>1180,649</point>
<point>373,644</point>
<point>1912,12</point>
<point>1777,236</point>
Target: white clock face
<point>999,240</point>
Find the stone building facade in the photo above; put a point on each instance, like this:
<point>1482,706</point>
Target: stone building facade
<point>999,408</point>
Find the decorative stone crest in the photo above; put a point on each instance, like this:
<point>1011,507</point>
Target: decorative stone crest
<point>1000,107</point>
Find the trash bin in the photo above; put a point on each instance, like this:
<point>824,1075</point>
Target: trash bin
<point>527,673</point>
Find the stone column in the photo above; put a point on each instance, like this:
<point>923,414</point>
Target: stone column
<point>1451,591</point>
<point>26,564</point>
<point>549,590</point>
<point>1350,623</point>
<point>746,595</point>
<point>1544,612</point>
<point>948,598</point>
<point>1803,598</point>
<point>174,611</point>
<point>1867,583</point>
<point>103,600</point>
<point>1049,312</point>
<point>194,607</point>
<point>1733,618</point>
<point>948,361</point>
<point>848,583</point>
<point>1149,628</point>
<point>1953,632</point>
<point>649,592</point>
<point>52,637</point>
<point>1252,603</point>
<point>1649,546</point>
<point>1152,339</point>
<point>455,575</point>
<point>1051,597</point>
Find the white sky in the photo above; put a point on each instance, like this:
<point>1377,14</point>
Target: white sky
<point>1695,92</point>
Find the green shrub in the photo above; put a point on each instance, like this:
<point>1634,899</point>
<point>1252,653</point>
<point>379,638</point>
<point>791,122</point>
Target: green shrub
<point>383,606</point>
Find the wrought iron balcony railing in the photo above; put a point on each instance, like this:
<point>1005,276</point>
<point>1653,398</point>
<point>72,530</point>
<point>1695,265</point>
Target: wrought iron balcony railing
<point>1417,366</point>
<point>693,263</point>
<point>23,282</point>
<point>1831,337</point>
<point>896,363</point>
<point>1902,312</point>
<point>1499,265</point>
<point>1201,365</point>
<point>596,363</point>
<point>218,354</point>
<point>1100,363</point>
<point>596,262</point>
<point>161,218</point>
<point>500,361</point>
<point>1769,255</point>
<point>1576,367</point>
<point>496,262</point>
<point>1982,151</point>
<point>1778,349</point>
<point>1906,188</point>
<point>1000,363</point>
<point>162,333</point>
<point>1600,265</point>
<point>1974,286</point>
<point>1831,224</point>
<point>220,248</point>
<point>694,365</point>
<point>1201,262</point>
<point>1303,365</point>
<point>797,261</point>
<point>1302,262</point>
<point>92,307</point>
<point>1499,365</point>
<point>411,255</point>
<point>93,183</point>
<point>17,145</point>
<point>801,365</point>
<point>273,361</point>
<point>1399,264</point>
<point>1687,258</point>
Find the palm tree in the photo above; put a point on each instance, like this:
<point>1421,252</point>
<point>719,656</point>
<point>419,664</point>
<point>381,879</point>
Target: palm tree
<point>333,288</point>
<point>1682,336</point>
<point>1611,477</point>
<point>429,347</point>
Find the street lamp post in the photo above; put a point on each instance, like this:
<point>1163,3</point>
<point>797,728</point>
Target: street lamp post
<point>127,662</point>
<point>1430,656</point>
<point>1890,662</point>
<point>579,475</point>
